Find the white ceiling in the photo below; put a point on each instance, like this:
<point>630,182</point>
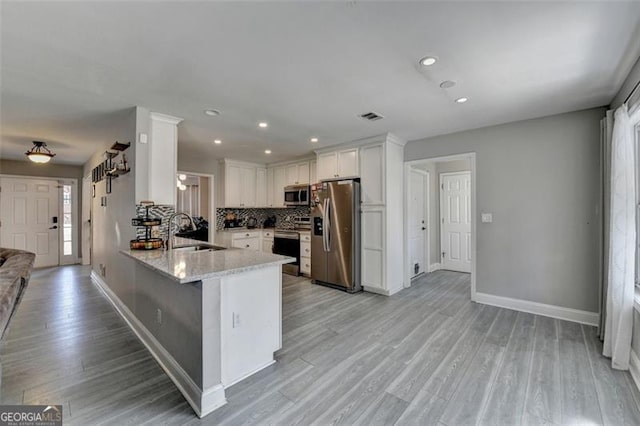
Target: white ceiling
<point>69,68</point>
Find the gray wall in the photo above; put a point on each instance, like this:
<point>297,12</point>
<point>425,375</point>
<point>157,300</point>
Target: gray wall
<point>65,171</point>
<point>540,179</point>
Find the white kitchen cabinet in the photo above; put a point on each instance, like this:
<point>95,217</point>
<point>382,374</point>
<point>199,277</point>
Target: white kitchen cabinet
<point>261,187</point>
<point>372,176</point>
<point>313,175</point>
<point>267,241</point>
<point>338,164</point>
<point>279,182</point>
<point>348,163</point>
<point>297,174</point>
<point>327,165</point>
<point>291,174</point>
<point>241,185</point>
<point>381,177</point>
<point>270,184</point>
<point>247,243</point>
<point>305,253</point>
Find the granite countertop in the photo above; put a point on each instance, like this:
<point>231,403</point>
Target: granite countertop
<point>189,266</point>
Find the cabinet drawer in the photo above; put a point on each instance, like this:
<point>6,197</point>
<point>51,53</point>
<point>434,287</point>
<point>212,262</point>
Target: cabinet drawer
<point>305,249</point>
<point>247,243</point>
<point>305,265</point>
<point>306,236</point>
<point>247,234</point>
<point>267,234</point>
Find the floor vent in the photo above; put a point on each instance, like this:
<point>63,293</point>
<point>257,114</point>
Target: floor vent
<point>371,116</point>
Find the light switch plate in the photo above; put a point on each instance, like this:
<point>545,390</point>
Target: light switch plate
<point>487,217</point>
<point>143,138</point>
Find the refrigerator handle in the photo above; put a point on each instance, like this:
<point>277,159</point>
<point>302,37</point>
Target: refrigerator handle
<point>324,225</point>
<point>327,224</point>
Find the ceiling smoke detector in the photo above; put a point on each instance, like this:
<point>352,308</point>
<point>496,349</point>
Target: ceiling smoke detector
<point>371,116</point>
<point>212,112</point>
<point>447,84</point>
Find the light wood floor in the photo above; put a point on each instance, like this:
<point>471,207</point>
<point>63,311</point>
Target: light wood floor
<point>424,356</point>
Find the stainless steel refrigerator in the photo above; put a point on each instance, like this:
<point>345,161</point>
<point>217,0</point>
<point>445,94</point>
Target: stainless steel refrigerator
<point>335,235</point>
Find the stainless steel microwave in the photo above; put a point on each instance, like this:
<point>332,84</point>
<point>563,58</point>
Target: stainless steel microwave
<point>297,195</point>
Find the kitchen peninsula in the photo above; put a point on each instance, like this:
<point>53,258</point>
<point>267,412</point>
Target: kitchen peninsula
<point>210,316</point>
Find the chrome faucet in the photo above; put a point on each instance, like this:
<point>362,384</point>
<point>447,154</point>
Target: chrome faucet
<point>170,235</point>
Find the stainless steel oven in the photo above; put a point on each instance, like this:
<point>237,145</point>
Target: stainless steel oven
<point>287,243</point>
<point>297,195</point>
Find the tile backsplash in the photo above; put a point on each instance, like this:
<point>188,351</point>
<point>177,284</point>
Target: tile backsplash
<point>284,217</point>
<point>161,211</point>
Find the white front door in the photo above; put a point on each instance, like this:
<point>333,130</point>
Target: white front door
<point>29,217</point>
<point>86,220</point>
<point>455,222</point>
<point>417,222</point>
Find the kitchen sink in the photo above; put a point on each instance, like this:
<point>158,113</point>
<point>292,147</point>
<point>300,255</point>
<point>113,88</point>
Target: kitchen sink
<point>199,247</point>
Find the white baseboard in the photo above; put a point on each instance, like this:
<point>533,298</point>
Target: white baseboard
<point>434,267</point>
<point>553,311</point>
<point>382,291</point>
<point>634,368</point>
<point>202,402</point>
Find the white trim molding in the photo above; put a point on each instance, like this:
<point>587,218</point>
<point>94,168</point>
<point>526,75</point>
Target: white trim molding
<point>553,311</point>
<point>434,267</point>
<point>634,368</point>
<point>382,291</point>
<point>203,402</point>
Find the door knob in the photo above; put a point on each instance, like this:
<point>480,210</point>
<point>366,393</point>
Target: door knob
<point>423,228</point>
<point>54,227</point>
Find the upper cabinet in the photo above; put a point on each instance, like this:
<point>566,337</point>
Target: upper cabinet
<point>297,174</point>
<point>241,184</point>
<point>338,164</point>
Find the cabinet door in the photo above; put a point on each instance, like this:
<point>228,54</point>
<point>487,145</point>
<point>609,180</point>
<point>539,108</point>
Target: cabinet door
<point>291,173</point>
<point>303,173</point>
<point>278,187</point>
<point>269,187</point>
<point>248,187</point>
<point>327,165</point>
<point>233,186</point>
<point>348,162</point>
<point>267,246</point>
<point>261,187</point>
<point>372,174</point>
<point>313,176</point>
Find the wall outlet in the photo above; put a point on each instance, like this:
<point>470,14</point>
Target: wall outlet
<point>159,316</point>
<point>487,217</point>
<point>236,320</point>
<point>103,270</point>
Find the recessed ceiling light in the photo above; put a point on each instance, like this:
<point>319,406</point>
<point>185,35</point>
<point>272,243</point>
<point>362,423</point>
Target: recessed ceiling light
<point>217,141</point>
<point>462,100</point>
<point>447,84</point>
<point>267,151</point>
<point>428,61</point>
<point>314,140</point>
<point>212,112</point>
<point>263,124</point>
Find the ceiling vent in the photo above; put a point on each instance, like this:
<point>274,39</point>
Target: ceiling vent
<point>371,116</point>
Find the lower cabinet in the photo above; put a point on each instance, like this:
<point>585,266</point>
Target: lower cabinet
<point>267,241</point>
<point>305,253</point>
<point>246,243</point>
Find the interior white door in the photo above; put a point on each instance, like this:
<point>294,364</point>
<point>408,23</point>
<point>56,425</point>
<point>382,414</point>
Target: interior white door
<point>29,215</point>
<point>455,222</point>
<point>418,221</point>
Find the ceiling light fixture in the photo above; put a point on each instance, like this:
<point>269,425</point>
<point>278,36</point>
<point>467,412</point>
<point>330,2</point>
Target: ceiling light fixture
<point>39,153</point>
<point>447,84</point>
<point>314,140</point>
<point>212,112</point>
<point>263,124</point>
<point>462,100</point>
<point>267,151</point>
<point>217,141</point>
<point>427,61</point>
